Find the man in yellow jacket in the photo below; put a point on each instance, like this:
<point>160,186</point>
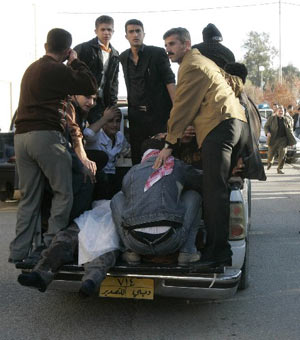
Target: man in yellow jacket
<point>207,98</point>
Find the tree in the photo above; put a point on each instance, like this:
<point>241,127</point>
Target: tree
<point>259,52</point>
<point>291,75</point>
<point>281,94</point>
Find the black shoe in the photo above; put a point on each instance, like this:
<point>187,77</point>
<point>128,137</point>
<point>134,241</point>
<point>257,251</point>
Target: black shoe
<point>32,259</point>
<point>279,171</point>
<point>88,288</point>
<point>33,280</point>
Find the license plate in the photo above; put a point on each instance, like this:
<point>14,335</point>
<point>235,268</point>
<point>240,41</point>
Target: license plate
<point>127,287</point>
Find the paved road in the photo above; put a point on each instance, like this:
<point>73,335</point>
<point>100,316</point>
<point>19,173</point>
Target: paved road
<point>268,309</point>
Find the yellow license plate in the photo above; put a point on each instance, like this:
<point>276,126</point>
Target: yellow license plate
<point>127,287</point>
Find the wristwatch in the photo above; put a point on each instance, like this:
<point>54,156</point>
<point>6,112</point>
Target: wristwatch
<point>168,146</point>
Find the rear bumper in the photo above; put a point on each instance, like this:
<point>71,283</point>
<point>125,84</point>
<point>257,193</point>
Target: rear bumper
<point>211,286</point>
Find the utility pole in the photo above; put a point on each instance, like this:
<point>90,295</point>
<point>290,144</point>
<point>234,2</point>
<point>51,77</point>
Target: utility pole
<point>35,29</point>
<point>280,64</point>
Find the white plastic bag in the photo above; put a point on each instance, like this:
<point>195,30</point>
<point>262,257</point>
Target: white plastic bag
<point>98,234</point>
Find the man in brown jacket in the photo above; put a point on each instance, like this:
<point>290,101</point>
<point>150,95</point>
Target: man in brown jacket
<point>279,132</point>
<point>205,99</point>
<point>40,145</point>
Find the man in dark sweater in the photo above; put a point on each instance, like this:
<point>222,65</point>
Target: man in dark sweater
<point>103,61</point>
<point>150,86</point>
<point>40,146</point>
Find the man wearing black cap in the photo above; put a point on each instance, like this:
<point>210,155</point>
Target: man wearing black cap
<point>212,47</point>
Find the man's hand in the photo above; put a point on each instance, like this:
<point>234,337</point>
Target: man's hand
<point>87,173</point>
<point>161,158</point>
<point>110,113</point>
<point>268,138</point>
<point>90,165</point>
<point>72,56</point>
<point>238,168</point>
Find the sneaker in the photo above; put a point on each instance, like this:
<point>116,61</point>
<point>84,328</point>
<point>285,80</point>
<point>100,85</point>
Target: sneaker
<point>186,258</point>
<point>131,257</point>
<point>279,171</point>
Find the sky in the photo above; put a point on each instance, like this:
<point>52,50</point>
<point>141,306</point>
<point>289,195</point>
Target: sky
<point>24,25</point>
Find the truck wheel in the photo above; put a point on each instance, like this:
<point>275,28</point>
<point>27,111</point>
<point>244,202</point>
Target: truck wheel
<point>244,281</point>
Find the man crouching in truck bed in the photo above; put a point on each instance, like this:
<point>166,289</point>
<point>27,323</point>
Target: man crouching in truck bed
<point>159,218</point>
<point>153,214</point>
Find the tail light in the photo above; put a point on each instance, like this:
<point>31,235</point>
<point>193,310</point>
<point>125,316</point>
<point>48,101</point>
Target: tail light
<point>237,230</point>
<point>12,159</point>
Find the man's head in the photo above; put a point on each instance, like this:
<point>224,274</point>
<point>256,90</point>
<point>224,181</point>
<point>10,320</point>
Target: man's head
<point>59,42</point>
<point>112,126</point>
<point>275,108</point>
<point>177,43</point>
<point>280,111</point>
<point>210,34</point>
<point>104,28</point>
<point>85,102</point>
<point>237,69</point>
<point>134,32</point>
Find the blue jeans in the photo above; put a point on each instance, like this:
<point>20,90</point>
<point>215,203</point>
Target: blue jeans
<point>182,238</point>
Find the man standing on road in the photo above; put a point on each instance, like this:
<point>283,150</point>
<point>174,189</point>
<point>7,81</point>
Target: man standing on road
<point>40,146</point>
<point>297,123</point>
<point>204,97</point>
<point>103,61</point>
<point>279,132</point>
<point>150,86</point>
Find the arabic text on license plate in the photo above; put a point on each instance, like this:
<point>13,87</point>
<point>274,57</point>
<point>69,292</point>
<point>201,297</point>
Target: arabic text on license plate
<point>127,287</point>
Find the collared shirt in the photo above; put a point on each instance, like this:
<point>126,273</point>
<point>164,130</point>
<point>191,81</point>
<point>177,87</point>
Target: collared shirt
<point>100,141</point>
<point>105,55</point>
<point>137,80</point>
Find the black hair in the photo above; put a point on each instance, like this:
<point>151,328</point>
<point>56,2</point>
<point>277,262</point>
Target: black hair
<point>152,143</point>
<point>133,22</point>
<point>58,40</point>
<point>237,69</point>
<point>104,19</point>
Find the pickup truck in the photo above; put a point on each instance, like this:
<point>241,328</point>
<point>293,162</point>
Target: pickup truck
<point>162,276</point>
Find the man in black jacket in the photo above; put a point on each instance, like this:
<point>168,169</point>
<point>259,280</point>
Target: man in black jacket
<point>296,118</point>
<point>150,86</point>
<point>103,61</point>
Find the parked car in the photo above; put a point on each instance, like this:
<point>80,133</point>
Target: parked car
<point>8,180</point>
<point>162,276</point>
<point>293,152</point>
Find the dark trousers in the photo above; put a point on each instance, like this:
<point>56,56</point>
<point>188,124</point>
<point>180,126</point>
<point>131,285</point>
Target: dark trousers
<point>220,151</point>
<point>63,249</point>
<point>101,159</point>
<point>142,125</point>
